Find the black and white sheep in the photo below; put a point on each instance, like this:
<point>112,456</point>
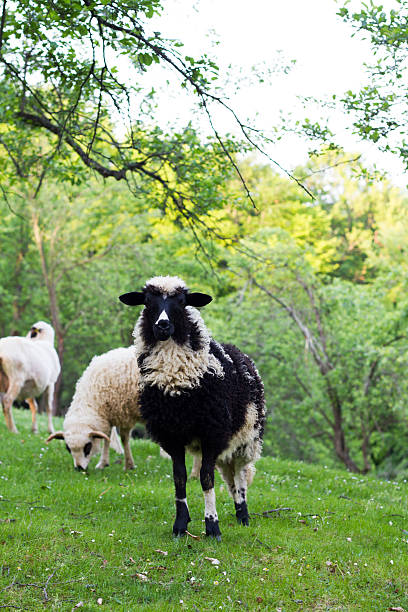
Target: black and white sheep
<point>29,366</point>
<point>196,394</point>
<point>106,396</point>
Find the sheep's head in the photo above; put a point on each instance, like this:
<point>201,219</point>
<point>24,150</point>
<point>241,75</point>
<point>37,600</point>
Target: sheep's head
<point>41,331</point>
<point>165,299</point>
<point>82,444</point>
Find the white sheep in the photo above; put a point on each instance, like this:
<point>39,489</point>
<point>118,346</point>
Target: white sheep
<point>29,366</point>
<point>106,396</point>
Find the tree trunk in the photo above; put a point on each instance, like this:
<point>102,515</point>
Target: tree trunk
<point>339,440</point>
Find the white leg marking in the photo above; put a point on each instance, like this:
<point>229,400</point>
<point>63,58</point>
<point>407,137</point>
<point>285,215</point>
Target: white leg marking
<point>210,509</point>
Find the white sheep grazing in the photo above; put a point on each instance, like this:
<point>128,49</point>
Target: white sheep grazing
<point>29,366</point>
<point>106,396</point>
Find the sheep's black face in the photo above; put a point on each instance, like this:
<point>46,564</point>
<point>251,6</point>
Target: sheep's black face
<point>164,313</point>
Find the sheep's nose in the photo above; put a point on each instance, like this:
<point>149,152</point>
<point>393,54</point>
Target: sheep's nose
<point>163,324</point>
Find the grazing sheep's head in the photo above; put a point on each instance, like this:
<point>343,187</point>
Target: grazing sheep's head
<point>165,299</point>
<point>41,331</point>
<point>82,444</point>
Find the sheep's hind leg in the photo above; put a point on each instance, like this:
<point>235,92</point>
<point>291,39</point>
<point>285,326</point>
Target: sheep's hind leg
<point>104,460</point>
<point>125,437</point>
<point>34,409</point>
<point>7,401</point>
<point>180,480</point>
<point>49,397</point>
<point>195,470</point>
<point>240,486</point>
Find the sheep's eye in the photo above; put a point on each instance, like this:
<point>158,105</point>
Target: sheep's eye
<point>67,447</point>
<point>87,448</point>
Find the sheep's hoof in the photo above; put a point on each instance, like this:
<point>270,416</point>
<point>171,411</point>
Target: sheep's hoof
<point>242,514</point>
<point>212,528</point>
<point>34,429</point>
<point>100,466</point>
<point>130,467</point>
<point>179,532</point>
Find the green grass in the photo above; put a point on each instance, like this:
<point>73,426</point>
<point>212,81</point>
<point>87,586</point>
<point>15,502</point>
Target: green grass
<point>69,537</point>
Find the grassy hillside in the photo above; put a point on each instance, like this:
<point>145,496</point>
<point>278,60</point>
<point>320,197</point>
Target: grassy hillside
<point>102,540</point>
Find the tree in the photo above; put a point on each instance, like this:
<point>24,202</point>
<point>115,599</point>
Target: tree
<point>59,79</point>
<point>380,109</point>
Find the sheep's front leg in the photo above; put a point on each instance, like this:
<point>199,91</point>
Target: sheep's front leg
<point>180,480</point>
<point>34,409</point>
<point>104,460</point>
<point>207,483</point>
<point>49,397</point>
<point>125,437</point>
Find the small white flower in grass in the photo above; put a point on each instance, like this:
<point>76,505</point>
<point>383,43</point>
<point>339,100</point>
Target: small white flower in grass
<point>319,499</point>
<point>99,601</point>
<point>390,522</point>
<point>92,540</point>
<point>365,564</point>
<point>123,495</point>
<point>299,574</point>
<point>216,582</point>
<point>348,539</point>
<point>392,562</point>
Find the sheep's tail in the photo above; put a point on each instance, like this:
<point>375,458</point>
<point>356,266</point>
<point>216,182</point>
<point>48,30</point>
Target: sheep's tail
<point>115,442</point>
<point>4,381</point>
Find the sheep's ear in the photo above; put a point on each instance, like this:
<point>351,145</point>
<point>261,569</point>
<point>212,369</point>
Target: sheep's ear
<point>198,299</point>
<point>57,435</point>
<point>99,434</point>
<point>134,298</point>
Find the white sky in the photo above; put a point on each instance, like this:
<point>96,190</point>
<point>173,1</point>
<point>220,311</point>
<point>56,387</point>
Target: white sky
<point>328,60</point>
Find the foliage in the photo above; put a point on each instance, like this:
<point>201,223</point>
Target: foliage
<point>379,109</point>
<point>72,102</point>
<point>315,293</point>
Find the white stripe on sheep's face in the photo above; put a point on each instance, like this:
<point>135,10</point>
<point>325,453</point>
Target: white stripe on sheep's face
<point>164,315</point>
